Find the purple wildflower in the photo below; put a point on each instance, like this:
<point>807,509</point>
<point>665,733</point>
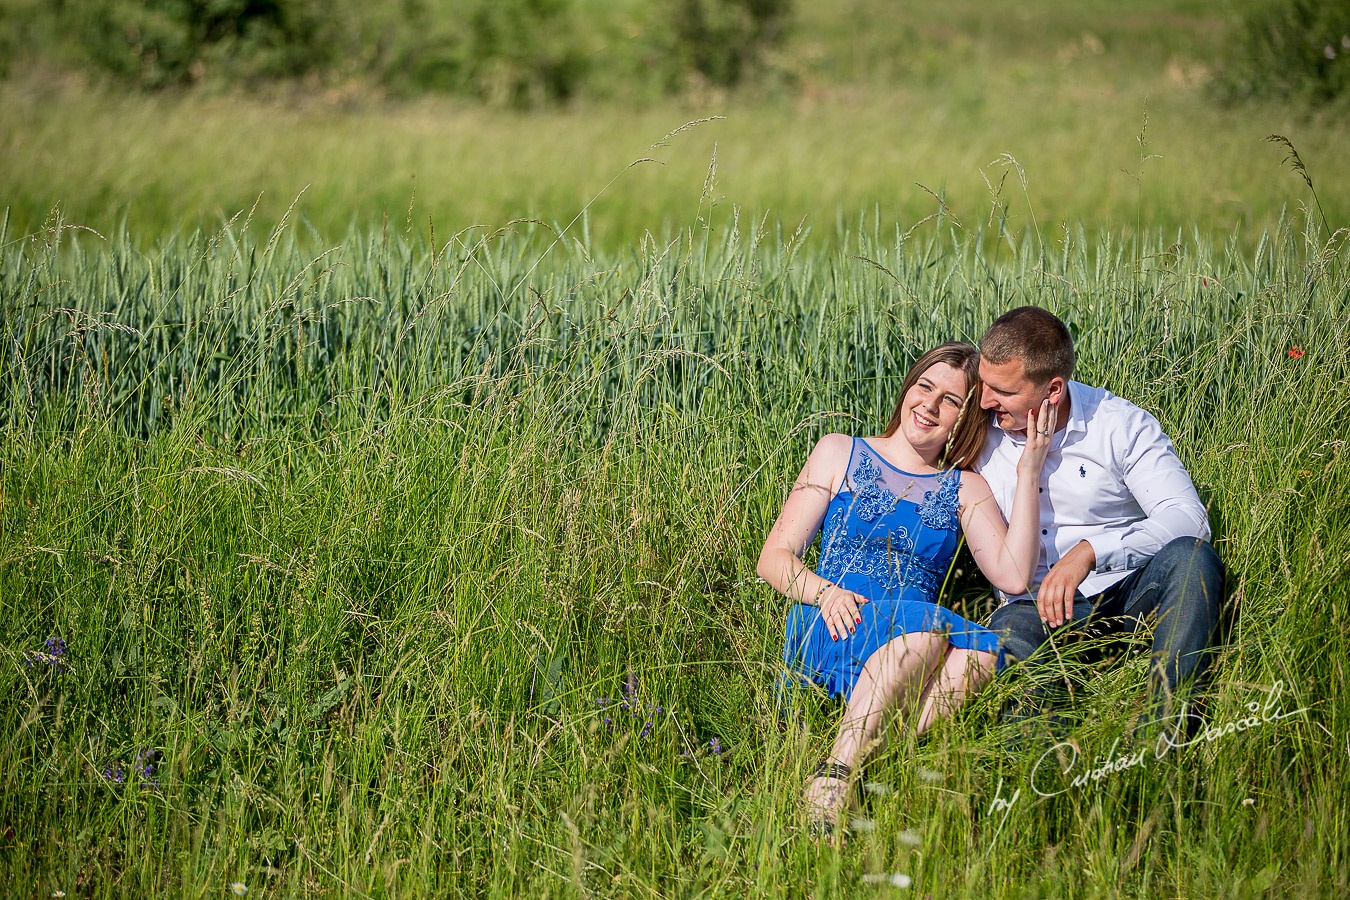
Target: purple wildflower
<point>114,773</point>
<point>145,762</point>
<point>716,746</point>
<point>53,657</point>
<point>146,758</point>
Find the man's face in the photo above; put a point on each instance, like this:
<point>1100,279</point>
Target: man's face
<point>1010,394</point>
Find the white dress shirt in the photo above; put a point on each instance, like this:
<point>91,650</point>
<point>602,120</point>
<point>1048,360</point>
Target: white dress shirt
<point>1111,478</point>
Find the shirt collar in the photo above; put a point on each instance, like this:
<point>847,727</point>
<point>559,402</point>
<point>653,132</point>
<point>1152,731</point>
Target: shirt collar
<point>1078,405</point>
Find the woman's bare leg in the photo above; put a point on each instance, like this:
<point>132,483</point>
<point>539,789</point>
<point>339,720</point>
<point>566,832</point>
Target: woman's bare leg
<point>893,677</point>
<point>959,676</point>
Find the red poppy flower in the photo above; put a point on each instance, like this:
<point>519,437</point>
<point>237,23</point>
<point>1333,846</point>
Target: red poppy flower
<point>1295,353</point>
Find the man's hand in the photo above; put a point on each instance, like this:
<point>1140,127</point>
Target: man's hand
<point>1055,597</point>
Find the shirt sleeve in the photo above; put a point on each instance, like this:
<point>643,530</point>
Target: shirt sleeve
<point>1161,487</point>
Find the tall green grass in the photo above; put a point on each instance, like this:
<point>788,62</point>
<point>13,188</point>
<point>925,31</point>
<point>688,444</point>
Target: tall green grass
<point>370,543</point>
<point>178,162</point>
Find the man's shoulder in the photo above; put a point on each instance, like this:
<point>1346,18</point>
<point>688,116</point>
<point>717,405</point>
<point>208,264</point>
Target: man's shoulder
<point>1099,409</point>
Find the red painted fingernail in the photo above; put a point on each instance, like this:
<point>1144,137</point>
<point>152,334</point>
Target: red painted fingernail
<point>858,620</point>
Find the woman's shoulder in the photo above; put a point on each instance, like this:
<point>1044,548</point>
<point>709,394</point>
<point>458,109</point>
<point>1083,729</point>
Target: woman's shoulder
<point>973,486</point>
<point>834,445</point>
<point>829,458</point>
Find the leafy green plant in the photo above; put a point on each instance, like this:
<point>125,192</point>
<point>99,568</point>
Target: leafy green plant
<point>1289,48</point>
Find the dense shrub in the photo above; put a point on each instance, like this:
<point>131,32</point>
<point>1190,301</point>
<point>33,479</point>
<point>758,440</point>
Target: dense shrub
<point>524,51</point>
<point>159,43</point>
<point>723,42</point>
<point>1291,48</point>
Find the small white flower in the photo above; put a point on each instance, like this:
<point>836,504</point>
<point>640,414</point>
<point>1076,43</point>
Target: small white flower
<point>239,889</point>
<point>1329,51</point>
<point>58,893</point>
<point>894,879</point>
<point>1248,802</point>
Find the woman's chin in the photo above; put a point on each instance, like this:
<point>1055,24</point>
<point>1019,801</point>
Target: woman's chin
<point>929,446</point>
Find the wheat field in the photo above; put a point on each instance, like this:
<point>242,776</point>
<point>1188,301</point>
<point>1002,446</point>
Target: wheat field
<point>385,569</point>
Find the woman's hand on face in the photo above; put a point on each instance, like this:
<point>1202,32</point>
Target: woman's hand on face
<point>839,609</point>
<point>1040,432</point>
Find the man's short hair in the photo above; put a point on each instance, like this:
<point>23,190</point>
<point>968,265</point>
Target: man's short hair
<point>1035,336</point>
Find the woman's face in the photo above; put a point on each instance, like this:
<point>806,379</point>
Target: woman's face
<point>931,407</point>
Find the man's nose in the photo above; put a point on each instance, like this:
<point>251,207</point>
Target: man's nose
<point>987,400</point>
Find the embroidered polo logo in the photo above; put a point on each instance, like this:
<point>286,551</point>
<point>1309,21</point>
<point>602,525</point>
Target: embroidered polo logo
<point>1082,472</point>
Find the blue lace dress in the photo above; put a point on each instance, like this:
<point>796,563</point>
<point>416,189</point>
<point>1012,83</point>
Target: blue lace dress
<point>889,536</point>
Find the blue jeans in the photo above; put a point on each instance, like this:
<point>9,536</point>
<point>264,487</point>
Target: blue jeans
<point>1180,592</point>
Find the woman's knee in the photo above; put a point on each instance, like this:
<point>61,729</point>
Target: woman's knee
<point>923,649</point>
<point>983,660</point>
<point>924,643</point>
<point>974,666</point>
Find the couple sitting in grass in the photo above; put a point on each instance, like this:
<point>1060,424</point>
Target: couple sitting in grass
<point>1074,506</point>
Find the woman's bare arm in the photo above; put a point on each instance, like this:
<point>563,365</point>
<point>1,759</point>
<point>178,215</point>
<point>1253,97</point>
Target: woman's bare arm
<point>1007,553</point>
<point>780,560</point>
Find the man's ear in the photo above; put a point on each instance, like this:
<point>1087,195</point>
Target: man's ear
<point>1058,387</point>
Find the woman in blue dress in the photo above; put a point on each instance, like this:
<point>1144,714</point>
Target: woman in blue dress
<point>866,624</point>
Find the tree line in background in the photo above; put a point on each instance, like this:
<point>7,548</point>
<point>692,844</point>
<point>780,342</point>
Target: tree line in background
<point>507,52</point>
<point>535,52</point>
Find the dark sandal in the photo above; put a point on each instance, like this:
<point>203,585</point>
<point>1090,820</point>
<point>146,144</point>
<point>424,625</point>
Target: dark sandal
<point>821,826</point>
<point>837,771</point>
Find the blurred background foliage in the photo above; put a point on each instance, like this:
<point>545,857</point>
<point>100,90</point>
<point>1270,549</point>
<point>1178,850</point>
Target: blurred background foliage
<point>509,52</point>
<point>526,53</point>
<point>1293,49</point>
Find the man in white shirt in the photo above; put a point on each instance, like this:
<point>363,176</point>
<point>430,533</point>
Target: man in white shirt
<point>1123,532</point>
